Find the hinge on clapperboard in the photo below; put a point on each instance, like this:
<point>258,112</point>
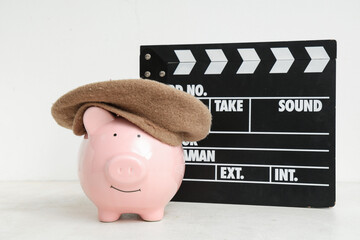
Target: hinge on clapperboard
<point>156,67</point>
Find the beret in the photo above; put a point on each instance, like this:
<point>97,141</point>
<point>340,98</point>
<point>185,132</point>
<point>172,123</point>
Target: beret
<point>168,114</point>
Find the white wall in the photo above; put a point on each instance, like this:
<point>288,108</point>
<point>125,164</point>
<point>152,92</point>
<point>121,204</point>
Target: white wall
<point>50,47</point>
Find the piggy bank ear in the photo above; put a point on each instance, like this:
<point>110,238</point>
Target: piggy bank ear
<point>95,117</point>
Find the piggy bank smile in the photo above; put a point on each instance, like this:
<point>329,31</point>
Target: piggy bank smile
<point>131,191</point>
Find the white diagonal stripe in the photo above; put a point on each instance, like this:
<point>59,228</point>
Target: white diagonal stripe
<point>187,62</point>
<point>218,61</point>
<point>319,59</point>
<point>216,55</point>
<point>248,54</point>
<point>281,66</point>
<point>282,53</point>
<point>250,61</point>
<point>184,68</point>
<point>185,56</point>
<point>284,60</point>
<point>215,68</point>
<point>317,53</point>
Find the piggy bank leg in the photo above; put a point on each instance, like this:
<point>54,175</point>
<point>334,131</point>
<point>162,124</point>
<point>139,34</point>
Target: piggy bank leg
<point>108,216</point>
<point>153,215</point>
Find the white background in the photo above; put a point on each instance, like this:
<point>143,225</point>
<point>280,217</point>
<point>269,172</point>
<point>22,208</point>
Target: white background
<point>50,47</point>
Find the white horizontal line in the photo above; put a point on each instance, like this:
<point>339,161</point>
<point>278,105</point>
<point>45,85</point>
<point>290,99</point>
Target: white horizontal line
<point>257,182</point>
<point>259,149</point>
<point>275,133</point>
<point>255,165</point>
<point>323,97</point>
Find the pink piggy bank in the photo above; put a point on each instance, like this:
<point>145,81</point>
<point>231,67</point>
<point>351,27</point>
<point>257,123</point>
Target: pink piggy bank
<point>123,169</point>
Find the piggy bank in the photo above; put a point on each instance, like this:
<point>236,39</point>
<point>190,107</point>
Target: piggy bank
<point>122,169</point>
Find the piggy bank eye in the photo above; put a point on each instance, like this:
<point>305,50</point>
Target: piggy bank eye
<point>138,135</point>
<point>115,134</point>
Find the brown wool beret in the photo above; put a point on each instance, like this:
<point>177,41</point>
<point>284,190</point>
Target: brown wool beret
<point>168,114</point>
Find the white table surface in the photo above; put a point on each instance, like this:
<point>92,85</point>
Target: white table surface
<point>60,210</point>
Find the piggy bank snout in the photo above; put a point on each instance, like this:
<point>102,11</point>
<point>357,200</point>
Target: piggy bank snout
<point>127,169</point>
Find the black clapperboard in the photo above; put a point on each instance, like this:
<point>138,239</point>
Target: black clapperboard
<point>272,140</point>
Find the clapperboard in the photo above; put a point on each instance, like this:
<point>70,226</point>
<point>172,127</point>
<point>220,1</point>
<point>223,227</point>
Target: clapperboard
<point>272,140</point>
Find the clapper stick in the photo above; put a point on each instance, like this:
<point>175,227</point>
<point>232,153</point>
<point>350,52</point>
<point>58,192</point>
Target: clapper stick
<point>272,141</point>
